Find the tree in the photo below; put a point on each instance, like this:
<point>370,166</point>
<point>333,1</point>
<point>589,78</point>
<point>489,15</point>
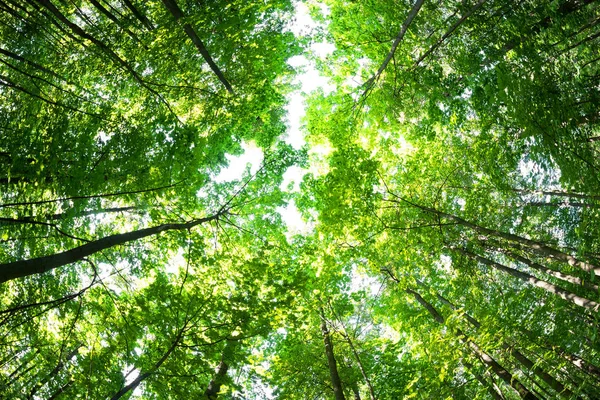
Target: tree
<point>450,185</point>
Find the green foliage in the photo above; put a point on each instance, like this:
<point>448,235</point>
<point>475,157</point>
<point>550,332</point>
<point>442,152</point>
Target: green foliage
<point>451,198</point>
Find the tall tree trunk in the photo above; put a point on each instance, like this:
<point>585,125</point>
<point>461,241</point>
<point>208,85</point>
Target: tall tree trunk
<point>144,375</point>
<point>525,277</point>
<point>214,386</point>
<point>538,247</point>
<point>543,375</point>
<point>19,269</point>
<point>355,390</point>
<point>530,365</point>
<point>449,32</point>
<point>97,196</point>
<point>578,362</point>
<point>61,390</point>
<point>141,17</point>
<point>54,372</point>
<point>411,15</point>
<point>566,8</point>
<point>174,9</point>
<point>491,389</point>
<point>488,360</point>
<point>556,193</point>
<point>77,30</point>
<point>357,358</point>
<point>336,382</point>
<point>549,271</point>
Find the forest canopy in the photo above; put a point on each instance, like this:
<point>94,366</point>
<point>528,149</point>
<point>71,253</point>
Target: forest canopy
<point>450,191</point>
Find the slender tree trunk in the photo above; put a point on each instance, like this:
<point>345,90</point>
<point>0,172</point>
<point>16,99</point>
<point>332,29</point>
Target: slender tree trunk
<point>141,17</point>
<point>449,32</point>
<point>61,390</point>
<point>142,376</point>
<point>77,30</point>
<point>556,193</point>
<point>355,391</point>
<point>34,220</point>
<point>411,15</point>
<point>538,247</point>
<point>19,269</point>
<point>174,9</point>
<point>214,386</point>
<point>336,382</point>
<point>97,196</point>
<point>491,390</point>
<point>578,362</point>
<point>54,372</point>
<point>483,356</point>
<point>550,380</point>
<point>574,204</point>
<point>525,277</point>
<point>566,8</point>
<point>557,274</point>
<point>357,358</point>
<point>114,19</point>
<point>543,375</point>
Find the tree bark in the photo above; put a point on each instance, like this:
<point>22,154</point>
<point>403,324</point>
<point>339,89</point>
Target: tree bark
<point>141,17</point>
<point>449,32</point>
<point>488,360</point>
<point>77,30</point>
<point>557,274</point>
<point>174,9</point>
<point>538,247</point>
<point>53,373</point>
<point>142,376</point>
<point>19,269</point>
<point>336,382</point>
<point>357,358</point>
<point>525,277</point>
<point>97,196</point>
<point>491,390</point>
<point>214,386</point>
<point>411,15</point>
<point>549,379</point>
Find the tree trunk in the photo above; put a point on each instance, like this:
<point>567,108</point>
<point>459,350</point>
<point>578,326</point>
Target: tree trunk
<point>142,376</point>
<point>491,390</point>
<point>53,373</point>
<point>357,358</point>
<point>174,9</point>
<point>543,375</point>
<point>557,274</point>
<point>336,382</point>
<point>19,269</point>
<point>355,391</point>
<point>525,277</point>
<point>411,15</point>
<point>449,32</point>
<point>214,386</point>
<point>141,17</point>
<point>538,247</point>
<point>482,355</point>
<point>550,380</point>
<point>97,196</point>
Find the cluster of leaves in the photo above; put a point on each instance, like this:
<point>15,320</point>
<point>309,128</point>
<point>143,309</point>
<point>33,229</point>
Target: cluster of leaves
<point>454,201</point>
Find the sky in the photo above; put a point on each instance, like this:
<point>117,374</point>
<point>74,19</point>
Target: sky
<point>309,80</point>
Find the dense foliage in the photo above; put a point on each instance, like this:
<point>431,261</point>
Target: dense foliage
<point>452,188</point>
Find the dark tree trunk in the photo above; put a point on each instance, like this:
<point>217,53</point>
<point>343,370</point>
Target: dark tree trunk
<point>214,386</point>
<point>174,9</point>
<point>525,277</point>
<point>488,360</point>
<point>19,269</point>
<point>336,382</point>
